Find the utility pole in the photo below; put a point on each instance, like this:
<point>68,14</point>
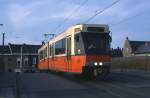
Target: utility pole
<point>3,39</point>
<point>21,58</point>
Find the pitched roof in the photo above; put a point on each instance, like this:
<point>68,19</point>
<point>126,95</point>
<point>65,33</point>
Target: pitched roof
<point>144,48</point>
<point>16,48</point>
<point>139,46</point>
<point>4,49</point>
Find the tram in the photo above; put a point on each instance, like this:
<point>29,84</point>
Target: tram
<point>81,49</point>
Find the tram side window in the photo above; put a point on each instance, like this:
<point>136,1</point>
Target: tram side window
<point>60,46</point>
<point>41,55</point>
<point>63,45</point>
<point>50,50</point>
<point>45,52</point>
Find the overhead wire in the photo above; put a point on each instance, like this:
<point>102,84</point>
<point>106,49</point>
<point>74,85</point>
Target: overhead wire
<point>129,18</point>
<point>71,14</point>
<point>101,11</point>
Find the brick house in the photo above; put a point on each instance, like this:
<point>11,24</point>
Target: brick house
<point>136,48</point>
<point>10,56</point>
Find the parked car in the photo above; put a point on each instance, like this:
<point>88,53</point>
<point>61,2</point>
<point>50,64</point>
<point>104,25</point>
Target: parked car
<point>28,69</point>
<point>18,70</point>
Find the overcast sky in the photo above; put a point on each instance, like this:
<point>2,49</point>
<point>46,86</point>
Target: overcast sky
<point>25,21</point>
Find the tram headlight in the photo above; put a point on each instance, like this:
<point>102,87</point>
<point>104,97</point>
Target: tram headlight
<point>100,63</point>
<point>95,63</point>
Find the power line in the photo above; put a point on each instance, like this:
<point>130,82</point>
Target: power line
<point>129,18</point>
<point>68,17</point>
<point>101,11</point>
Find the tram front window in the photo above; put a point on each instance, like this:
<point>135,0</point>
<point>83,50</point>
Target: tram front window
<point>92,43</point>
<point>95,43</point>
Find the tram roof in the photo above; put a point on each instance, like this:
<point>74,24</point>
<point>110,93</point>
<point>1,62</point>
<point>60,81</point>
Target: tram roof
<point>70,30</point>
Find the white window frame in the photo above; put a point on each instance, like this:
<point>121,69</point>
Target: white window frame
<point>18,60</point>
<point>26,59</point>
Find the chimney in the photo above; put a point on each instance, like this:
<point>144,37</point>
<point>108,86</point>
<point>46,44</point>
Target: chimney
<point>127,38</point>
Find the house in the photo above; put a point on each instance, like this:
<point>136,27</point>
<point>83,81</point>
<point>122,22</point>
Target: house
<point>4,50</point>
<point>136,48</point>
<point>14,56</point>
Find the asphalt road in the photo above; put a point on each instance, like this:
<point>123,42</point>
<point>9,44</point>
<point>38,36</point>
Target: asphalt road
<point>116,85</point>
<point>7,85</point>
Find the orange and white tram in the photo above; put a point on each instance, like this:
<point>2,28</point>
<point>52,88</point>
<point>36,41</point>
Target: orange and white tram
<point>82,49</point>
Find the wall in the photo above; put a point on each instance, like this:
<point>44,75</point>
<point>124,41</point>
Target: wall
<point>127,51</point>
<point>132,63</point>
<point>2,67</point>
<point>9,62</point>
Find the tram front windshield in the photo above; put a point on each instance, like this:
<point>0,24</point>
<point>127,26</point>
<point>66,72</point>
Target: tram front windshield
<point>96,43</point>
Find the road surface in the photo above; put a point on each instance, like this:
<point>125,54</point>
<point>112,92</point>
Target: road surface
<point>116,85</point>
<point>7,85</point>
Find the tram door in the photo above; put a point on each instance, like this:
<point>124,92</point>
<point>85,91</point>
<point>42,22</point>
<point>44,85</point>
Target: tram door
<point>69,53</point>
<point>53,57</point>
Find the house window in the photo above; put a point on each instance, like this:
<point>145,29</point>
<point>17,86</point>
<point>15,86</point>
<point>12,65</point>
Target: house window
<point>34,60</point>
<point>26,61</point>
<point>18,62</point>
